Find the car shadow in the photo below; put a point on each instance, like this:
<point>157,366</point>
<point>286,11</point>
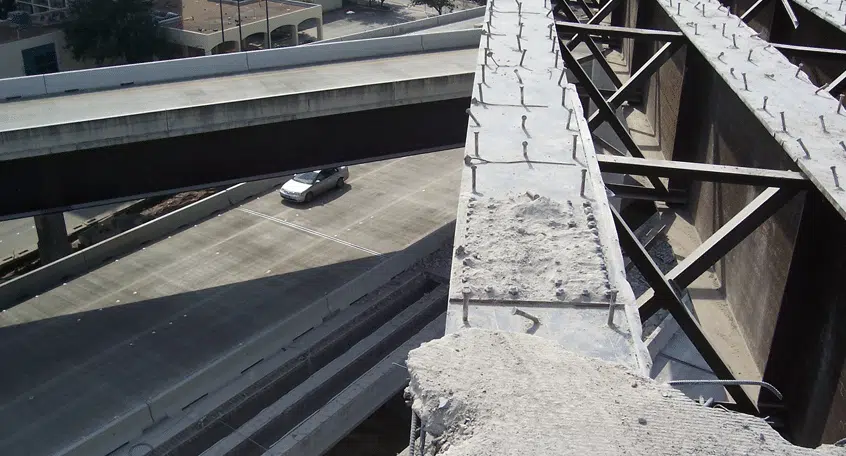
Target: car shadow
<point>319,200</point>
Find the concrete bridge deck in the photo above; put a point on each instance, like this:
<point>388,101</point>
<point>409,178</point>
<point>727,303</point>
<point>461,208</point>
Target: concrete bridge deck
<point>77,121</point>
<point>534,231</point>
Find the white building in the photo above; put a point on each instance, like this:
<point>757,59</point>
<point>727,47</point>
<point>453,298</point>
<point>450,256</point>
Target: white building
<point>196,27</point>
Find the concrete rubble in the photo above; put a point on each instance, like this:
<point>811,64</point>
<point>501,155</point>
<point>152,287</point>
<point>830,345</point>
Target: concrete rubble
<point>482,392</point>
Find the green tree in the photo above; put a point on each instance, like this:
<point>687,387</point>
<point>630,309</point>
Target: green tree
<point>438,5</point>
<point>103,30</point>
<point>6,7</point>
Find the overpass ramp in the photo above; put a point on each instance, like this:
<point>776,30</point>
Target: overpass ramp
<point>277,117</point>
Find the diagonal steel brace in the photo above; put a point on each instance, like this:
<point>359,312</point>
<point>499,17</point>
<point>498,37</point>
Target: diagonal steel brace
<point>719,244</point>
<point>593,48</point>
<point>639,77</point>
<point>595,20</point>
<point>605,110</point>
<point>669,298</point>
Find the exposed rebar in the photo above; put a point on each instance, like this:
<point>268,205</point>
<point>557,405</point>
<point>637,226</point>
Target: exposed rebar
<point>575,144</point>
<point>411,433</point>
<point>584,177</point>
<point>762,384</point>
<point>611,305</point>
<point>802,144</point>
<point>470,113</point>
<point>465,309</point>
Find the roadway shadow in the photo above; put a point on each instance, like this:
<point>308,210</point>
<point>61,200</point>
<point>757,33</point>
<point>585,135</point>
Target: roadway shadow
<point>101,362</point>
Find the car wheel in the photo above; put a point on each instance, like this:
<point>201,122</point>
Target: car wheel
<point>340,183</point>
<point>309,196</point>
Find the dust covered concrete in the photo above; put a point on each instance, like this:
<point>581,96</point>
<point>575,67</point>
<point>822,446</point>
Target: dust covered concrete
<point>481,392</point>
<point>536,249</point>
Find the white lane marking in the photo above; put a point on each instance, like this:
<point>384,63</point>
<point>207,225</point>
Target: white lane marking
<point>308,230</point>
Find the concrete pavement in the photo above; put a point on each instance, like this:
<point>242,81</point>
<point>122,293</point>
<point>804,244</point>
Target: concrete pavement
<point>104,343</point>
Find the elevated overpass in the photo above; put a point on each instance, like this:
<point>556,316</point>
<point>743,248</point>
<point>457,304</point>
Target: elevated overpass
<point>541,248</point>
<point>228,118</point>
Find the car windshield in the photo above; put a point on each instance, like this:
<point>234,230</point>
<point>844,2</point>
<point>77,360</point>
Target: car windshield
<point>306,178</point>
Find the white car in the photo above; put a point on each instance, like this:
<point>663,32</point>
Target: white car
<point>303,187</point>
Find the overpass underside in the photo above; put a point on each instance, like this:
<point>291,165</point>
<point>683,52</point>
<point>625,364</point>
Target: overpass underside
<point>89,137</point>
<point>731,136</point>
<point>163,166</point>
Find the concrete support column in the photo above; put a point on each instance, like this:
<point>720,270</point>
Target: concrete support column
<point>52,237</point>
<point>295,38</point>
<point>319,29</point>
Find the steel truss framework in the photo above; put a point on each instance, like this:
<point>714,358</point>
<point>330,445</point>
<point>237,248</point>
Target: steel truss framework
<point>666,289</point>
<point>834,87</point>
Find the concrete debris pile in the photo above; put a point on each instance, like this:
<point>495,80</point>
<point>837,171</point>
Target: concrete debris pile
<point>481,392</point>
<point>533,248</point>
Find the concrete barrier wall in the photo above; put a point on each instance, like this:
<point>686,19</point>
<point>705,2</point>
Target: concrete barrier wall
<point>329,52</point>
<point>48,276</point>
<point>24,86</point>
<point>215,65</point>
<point>436,41</point>
<point>400,261</point>
<point>230,365</point>
<point>220,372</point>
<point>351,407</point>
<point>121,426</point>
<point>412,26</point>
<point>145,73</point>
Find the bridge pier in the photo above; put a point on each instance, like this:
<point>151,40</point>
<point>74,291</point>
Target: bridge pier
<point>53,241</point>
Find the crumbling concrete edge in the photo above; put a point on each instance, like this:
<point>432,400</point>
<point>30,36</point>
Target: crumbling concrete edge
<point>610,241</point>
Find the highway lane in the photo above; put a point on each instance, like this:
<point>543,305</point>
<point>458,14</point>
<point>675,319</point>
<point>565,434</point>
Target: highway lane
<point>87,351</point>
<point>136,100</point>
<point>19,234</point>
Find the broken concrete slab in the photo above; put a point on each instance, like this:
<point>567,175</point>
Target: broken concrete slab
<point>478,390</point>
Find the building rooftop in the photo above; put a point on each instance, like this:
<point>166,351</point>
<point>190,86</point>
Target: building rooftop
<point>203,16</point>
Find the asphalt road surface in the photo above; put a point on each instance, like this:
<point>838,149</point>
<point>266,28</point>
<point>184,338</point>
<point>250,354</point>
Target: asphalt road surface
<point>90,350</point>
